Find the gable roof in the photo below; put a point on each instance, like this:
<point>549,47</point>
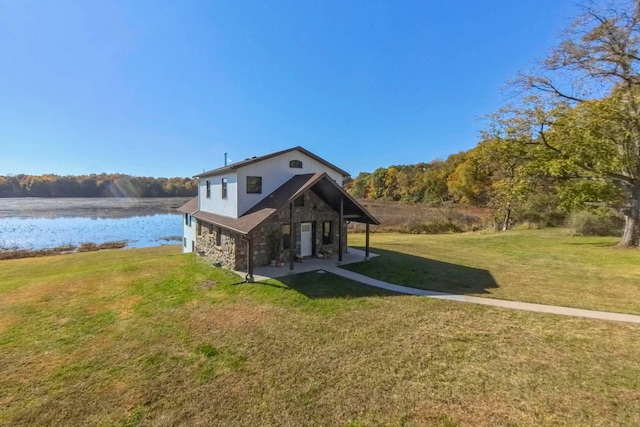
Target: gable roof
<point>320,183</point>
<point>255,159</point>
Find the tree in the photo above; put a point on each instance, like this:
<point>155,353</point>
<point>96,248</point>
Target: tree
<point>468,182</point>
<point>586,104</point>
<point>361,187</point>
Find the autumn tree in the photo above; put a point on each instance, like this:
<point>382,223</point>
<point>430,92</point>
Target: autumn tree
<point>584,104</point>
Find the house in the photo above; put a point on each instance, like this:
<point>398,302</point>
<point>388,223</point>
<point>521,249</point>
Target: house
<point>282,206</point>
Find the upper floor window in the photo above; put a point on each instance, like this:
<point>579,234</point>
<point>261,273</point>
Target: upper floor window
<point>186,219</point>
<point>295,164</point>
<point>254,184</point>
<point>224,188</point>
<point>208,189</point>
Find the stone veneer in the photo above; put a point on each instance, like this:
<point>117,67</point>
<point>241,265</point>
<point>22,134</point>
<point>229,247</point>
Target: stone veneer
<point>232,251</point>
<point>315,210</point>
<point>267,239</point>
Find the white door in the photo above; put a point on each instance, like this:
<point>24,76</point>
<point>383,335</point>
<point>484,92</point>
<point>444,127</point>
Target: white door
<point>305,239</point>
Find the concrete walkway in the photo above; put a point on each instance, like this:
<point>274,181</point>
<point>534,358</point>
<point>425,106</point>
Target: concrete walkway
<point>540,308</point>
<point>355,255</point>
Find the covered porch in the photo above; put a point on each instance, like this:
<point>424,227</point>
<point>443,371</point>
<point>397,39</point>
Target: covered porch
<point>352,255</point>
<point>283,199</point>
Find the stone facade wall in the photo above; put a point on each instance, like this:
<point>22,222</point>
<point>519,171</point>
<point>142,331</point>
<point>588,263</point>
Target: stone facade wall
<point>268,239</point>
<point>231,253</point>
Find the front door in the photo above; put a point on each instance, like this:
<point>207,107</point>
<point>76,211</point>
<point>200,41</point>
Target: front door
<point>306,239</point>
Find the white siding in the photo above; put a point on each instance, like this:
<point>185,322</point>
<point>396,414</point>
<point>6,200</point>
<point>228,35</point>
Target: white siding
<point>275,172</point>
<point>216,204</point>
<point>188,232</point>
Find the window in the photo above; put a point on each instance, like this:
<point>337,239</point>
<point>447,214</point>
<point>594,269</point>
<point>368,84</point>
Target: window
<point>218,236</point>
<point>186,219</point>
<point>327,237</point>
<point>184,242</point>
<point>286,236</point>
<point>299,201</point>
<point>295,164</point>
<point>254,184</point>
<point>224,188</point>
<point>208,189</point>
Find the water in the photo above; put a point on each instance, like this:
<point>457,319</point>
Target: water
<point>38,223</point>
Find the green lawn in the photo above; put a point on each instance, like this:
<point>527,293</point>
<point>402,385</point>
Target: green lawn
<point>541,266</point>
<point>154,337</point>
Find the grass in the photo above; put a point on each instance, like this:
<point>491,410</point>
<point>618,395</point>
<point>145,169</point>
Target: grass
<point>542,266</point>
<point>154,337</point>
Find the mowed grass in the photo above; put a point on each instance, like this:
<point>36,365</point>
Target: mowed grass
<point>542,266</point>
<point>154,337</point>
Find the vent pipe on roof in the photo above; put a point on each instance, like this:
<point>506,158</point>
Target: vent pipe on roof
<point>225,159</point>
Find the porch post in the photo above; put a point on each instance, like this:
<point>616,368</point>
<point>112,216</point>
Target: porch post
<point>250,260</point>
<point>366,250</point>
<point>341,230</point>
<point>292,237</point>
<point>346,238</point>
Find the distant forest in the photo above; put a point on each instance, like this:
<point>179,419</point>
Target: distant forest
<point>96,185</point>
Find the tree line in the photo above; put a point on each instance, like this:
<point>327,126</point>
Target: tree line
<point>570,140</point>
<point>95,185</point>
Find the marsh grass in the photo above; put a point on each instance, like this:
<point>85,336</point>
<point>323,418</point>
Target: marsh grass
<point>131,337</point>
<point>546,266</point>
<point>419,218</point>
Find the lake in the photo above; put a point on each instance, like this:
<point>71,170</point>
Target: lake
<point>40,223</point>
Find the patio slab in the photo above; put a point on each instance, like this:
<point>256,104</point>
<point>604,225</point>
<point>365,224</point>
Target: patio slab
<point>309,264</point>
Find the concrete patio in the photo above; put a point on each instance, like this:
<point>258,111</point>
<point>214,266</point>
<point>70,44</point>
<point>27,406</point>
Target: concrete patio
<point>309,264</point>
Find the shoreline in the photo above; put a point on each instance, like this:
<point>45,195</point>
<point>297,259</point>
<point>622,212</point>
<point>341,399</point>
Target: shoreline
<point>15,253</point>
<point>60,250</point>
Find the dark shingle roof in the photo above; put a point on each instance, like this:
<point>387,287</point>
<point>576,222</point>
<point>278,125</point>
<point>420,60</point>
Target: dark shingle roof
<point>190,207</point>
<point>238,165</point>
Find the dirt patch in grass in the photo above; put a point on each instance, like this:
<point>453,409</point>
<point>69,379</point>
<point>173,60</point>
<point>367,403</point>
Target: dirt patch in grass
<point>221,319</point>
<point>207,284</point>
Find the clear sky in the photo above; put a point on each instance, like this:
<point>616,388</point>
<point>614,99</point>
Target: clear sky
<point>164,88</point>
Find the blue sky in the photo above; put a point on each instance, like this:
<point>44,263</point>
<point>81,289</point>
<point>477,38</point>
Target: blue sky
<point>164,88</point>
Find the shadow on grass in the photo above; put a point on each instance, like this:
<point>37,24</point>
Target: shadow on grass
<point>424,273</point>
<point>594,244</point>
<point>319,286</point>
